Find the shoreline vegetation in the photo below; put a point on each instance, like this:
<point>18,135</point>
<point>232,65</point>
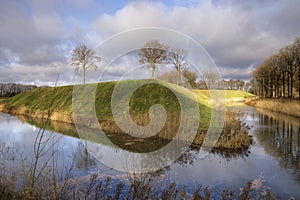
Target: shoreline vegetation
<point>284,106</point>
<point>35,104</point>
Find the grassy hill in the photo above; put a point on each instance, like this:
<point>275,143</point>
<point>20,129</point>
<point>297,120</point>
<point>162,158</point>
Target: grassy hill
<point>56,104</point>
<point>40,101</point>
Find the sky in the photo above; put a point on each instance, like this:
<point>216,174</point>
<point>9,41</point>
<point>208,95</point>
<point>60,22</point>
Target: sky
<point>37,36</point>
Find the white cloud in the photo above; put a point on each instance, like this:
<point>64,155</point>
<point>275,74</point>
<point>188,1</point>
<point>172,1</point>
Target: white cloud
<point>235,34</point>
<point>42,75</point>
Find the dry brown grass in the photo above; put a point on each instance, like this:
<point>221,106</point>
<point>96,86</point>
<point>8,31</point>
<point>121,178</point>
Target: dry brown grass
<point>233,135</point>
<point>286,106</point>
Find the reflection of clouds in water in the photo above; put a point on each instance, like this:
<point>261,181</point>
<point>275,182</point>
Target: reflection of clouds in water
<point>217,171</point>
<point>20,137</point>
<point>12,131</point>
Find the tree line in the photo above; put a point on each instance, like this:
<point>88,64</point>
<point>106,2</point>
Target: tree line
<point>11,89</point>
<point>279,75</point>
<point>232,84</point>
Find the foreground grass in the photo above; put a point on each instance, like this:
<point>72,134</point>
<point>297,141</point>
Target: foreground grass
<point>137,186</point>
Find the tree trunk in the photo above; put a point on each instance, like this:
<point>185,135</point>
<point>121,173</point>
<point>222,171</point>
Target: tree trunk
<point>153,70</point>
<point>84,75</point>
<point>291,89</point>
<point>84,71</point>
<point>283,84</point>
<point>299,81</point>
<point>288,86</point>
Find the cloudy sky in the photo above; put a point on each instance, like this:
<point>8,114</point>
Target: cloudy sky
<point>37,36</point>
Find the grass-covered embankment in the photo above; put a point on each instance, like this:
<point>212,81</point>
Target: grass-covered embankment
<point>231,96</point>
<point>285,106</point>
<point>56,104</point>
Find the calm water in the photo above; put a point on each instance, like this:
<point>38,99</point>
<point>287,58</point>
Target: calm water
<point>272,160</point>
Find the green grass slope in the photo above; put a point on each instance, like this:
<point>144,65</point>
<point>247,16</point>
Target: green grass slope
<point>238,94</point>
<point>204,96</point>
<point>59,99</point>
<point>41,99</point>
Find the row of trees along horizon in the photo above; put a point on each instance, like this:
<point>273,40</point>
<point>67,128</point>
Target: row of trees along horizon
<point>11,89</point>
<point>279,75</point>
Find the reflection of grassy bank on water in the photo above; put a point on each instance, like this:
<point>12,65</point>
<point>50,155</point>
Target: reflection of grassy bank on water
<point>58,101</point>
<point>286,106</point>
<point>233,137</point>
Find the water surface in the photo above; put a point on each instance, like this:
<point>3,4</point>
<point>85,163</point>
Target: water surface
<point>272,160</point>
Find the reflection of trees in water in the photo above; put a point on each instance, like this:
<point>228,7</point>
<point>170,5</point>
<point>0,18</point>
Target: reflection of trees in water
<point>232,154</point>
<point>281,139</point>
<point>82,158</point>
<point>190,156</point>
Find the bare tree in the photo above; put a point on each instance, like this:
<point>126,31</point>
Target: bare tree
<point>191,77</point>
<point>178,58</point>
<point>211,79</point>
<point>290,68</point>
<point>296,52</point>
<point>83,59</point>
<point>276,76</point>
<point>153,53</point>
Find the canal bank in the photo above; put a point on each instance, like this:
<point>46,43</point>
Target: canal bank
<point>285,106</point>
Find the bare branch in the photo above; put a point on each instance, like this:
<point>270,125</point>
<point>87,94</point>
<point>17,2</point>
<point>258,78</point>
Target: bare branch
<point>153,53</point>
<point>84,58</point>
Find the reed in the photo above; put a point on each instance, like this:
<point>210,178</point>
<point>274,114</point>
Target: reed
<point>286,106</point>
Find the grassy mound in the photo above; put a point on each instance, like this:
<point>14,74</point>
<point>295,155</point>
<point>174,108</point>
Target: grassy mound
<point>59,99</point>
<point>44,100</point>
<point>56,104</point>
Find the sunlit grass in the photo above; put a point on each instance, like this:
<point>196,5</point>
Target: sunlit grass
<point>238,94</point>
